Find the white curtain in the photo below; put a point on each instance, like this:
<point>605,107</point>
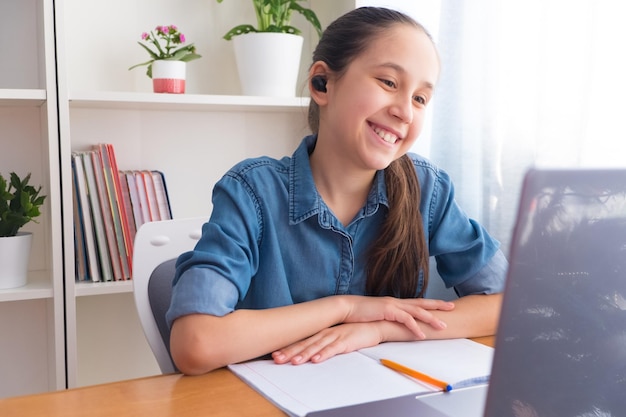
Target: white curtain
<point>523,83</point>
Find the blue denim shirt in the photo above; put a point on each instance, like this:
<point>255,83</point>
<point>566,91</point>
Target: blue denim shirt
<point>272,241</point>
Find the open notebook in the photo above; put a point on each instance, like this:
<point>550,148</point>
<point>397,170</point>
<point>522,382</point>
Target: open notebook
<point>359,377</point>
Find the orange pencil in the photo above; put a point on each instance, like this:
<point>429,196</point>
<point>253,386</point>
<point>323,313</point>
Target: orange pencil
<point>417,375</point>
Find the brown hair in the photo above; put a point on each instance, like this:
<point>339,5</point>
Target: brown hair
<point>400,253</point>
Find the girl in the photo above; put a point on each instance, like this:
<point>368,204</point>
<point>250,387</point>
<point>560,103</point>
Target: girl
<point>327,251</point>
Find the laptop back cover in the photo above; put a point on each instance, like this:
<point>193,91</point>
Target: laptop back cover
<point>561,343</point>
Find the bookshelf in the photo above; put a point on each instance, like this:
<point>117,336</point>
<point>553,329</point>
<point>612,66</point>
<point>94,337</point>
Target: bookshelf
<point>66,88</point>
<point>31,317</point>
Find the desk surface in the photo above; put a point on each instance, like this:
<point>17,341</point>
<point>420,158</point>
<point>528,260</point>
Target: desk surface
<point>218,394</point>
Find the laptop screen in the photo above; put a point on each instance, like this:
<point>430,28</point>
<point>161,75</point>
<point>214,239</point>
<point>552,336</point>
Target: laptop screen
<point>561,343</point>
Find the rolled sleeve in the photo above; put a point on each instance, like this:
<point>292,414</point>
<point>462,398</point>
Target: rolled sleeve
<point>490,279</point>
<point>203,291</point>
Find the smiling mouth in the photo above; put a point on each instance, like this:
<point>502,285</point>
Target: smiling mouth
<point>385,135</point>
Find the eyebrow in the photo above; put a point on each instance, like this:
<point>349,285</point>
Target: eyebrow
<point>427,84</point>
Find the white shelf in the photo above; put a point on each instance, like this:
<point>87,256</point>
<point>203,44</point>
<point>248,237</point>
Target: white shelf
<point>37,287</point>
<point>22,97</point>
<point>152,101</point>
<point>30,143</point>
<point>103,288</point>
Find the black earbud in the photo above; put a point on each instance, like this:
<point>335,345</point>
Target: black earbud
<point>319,83</point>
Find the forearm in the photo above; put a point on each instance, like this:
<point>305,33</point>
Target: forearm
<point>200,343</point>
<point>472,316</point>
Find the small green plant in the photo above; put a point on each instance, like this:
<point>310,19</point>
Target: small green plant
<point>19,204</point>
<point>275,16</point>
<point>164,43</point>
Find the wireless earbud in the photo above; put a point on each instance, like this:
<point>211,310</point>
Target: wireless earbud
<point>319,83</point>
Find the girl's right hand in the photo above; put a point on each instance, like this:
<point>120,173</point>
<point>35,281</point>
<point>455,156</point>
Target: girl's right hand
<point>407,311</point>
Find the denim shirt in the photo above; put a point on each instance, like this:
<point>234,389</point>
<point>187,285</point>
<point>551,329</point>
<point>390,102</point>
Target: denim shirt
<point>272,241</point>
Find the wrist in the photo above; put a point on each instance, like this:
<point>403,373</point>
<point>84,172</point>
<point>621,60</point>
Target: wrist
<point>345,308</point>
<point>393,332</point>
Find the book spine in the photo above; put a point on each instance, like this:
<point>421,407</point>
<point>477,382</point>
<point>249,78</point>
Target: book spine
<point>106,268</point>
<point>153,204</point>
<point>107,216</point>
<point>121,199</point>
<point>80,259</point>
<point>143,196</point>
<point>85,221</point>
<point>165,210</point>
<point>128,207</point>
<point>134,198</point>
<point>112,196</point>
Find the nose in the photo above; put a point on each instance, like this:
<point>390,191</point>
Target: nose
<point>402,108</point>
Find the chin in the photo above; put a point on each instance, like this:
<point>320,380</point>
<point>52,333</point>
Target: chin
<point>380,165</point>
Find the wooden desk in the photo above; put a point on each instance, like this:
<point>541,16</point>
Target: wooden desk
<point>217,394</point>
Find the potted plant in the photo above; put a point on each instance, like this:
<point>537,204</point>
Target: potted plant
<point>19,204</point>
<point>268,56</point>
<point>168,58</point>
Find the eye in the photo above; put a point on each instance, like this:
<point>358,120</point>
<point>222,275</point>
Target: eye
<point>419,99</point>
<point>388,83</point>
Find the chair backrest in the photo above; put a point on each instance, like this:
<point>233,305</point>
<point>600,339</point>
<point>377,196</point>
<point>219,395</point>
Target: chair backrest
<point>157,245</point>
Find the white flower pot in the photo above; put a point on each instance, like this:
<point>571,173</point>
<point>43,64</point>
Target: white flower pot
<point>14,254</point>
<point>268,63</point>
<point>169,76</point>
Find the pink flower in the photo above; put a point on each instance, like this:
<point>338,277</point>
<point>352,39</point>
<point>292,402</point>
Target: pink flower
<point>164,42</point>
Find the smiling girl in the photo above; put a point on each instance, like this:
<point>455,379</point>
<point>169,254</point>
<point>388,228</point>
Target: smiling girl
<point>326,252</point>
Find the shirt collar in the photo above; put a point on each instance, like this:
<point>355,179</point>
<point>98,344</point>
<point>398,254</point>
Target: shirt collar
<point>305,201</point>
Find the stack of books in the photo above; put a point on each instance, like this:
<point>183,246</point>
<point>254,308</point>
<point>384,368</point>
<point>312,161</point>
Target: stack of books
<point>109,206</point>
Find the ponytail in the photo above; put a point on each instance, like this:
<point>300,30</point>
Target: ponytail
<point>400,254</point>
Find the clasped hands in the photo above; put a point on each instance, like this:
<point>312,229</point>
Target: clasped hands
<point>368,322</point>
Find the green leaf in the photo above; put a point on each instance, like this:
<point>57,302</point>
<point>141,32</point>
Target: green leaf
<point>153,54</point>
<point>310,16</point>
<point>19,204</point>
<point>190,57</point>
<point>275,16</point>
<point>6,196</point>
<point>143,63</point>
<point>239,30</point>
<point>182,54</point>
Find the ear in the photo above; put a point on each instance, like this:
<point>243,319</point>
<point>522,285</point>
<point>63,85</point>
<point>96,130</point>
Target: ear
<point>318,70</point>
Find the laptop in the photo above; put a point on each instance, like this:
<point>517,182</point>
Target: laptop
<point>561,341</point>
<point>561,344</point>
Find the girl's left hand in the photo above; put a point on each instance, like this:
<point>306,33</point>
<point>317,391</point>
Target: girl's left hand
<point>332,341</point>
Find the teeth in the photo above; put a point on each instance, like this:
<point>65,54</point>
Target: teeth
<point>386,136</point>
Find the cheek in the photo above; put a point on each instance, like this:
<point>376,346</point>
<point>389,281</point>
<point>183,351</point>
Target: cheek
<point>416,127</point>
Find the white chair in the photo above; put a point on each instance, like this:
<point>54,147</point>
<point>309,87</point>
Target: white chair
<point>157,245</point>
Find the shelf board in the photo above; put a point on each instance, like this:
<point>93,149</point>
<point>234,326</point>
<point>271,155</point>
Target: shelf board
<point>102,288</point>
<point>22,97</point>
<point>37,287</point>
<point>200,102</point>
